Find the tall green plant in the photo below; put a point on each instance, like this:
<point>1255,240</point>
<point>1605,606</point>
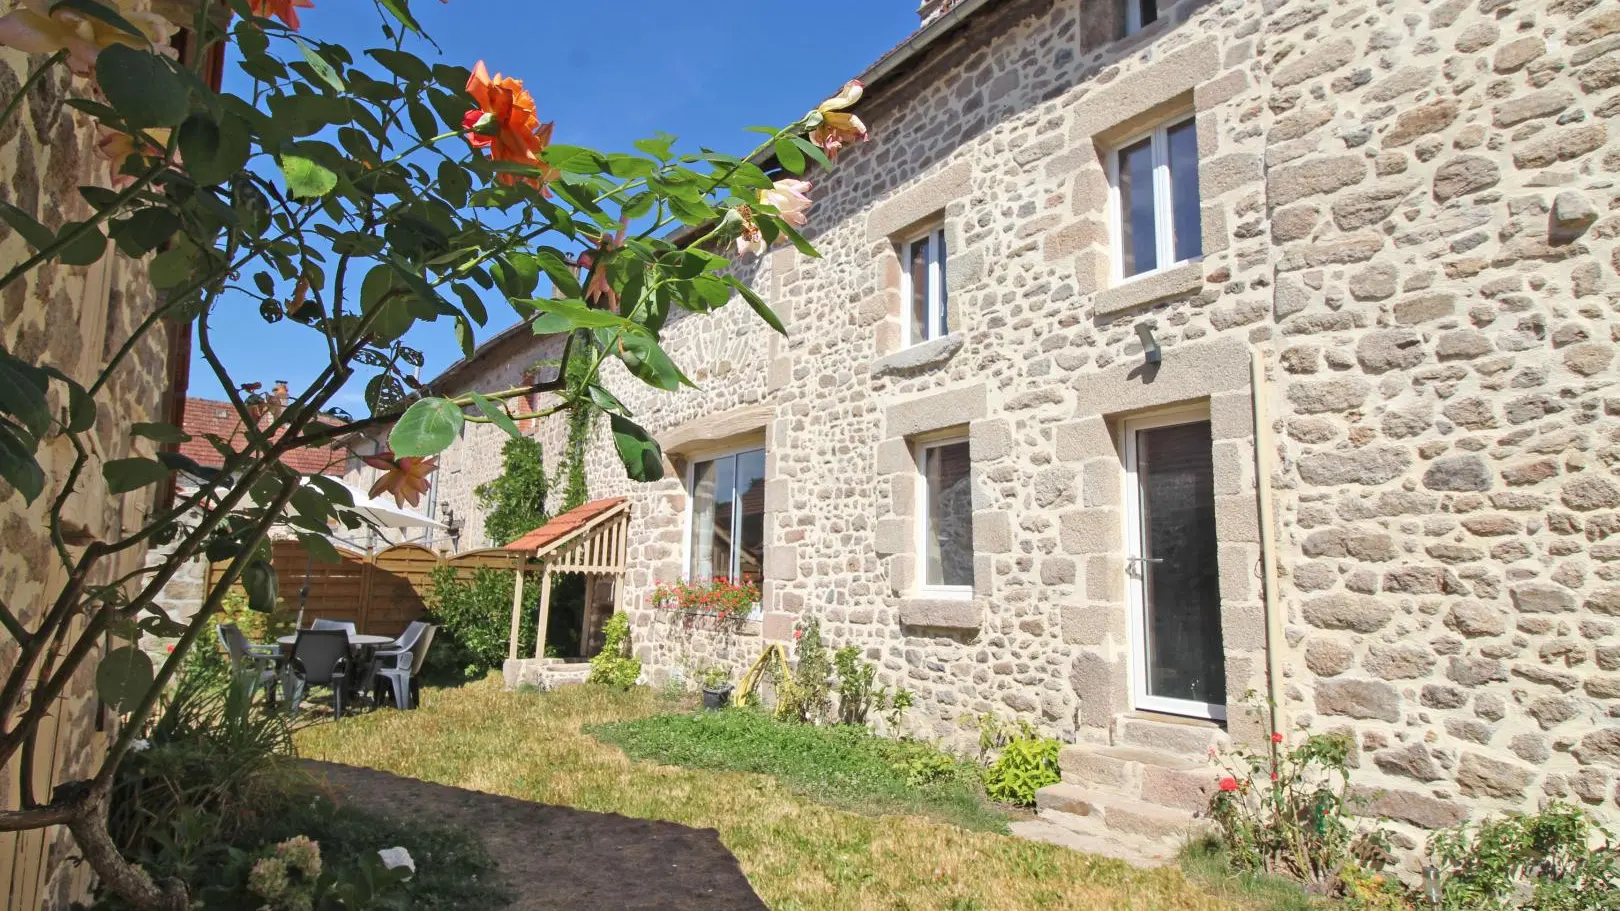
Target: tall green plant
<point>347,195</point>
<point>515,500</point>
<point>613,665</point>
<point>1539,862</point>
<point>474,610</point>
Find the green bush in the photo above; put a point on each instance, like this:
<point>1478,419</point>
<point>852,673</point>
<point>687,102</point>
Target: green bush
<point>805,693</point>
<point>613,665</point>
<point>474,612</point>
<point>1540,862</point>
<point>841,765</point>
<point>1027,763</point>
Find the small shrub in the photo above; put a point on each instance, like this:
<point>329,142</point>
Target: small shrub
<point>474,613</point>
<point>613,665</point>
<point>1287,812</point>
<point>1540,862</point>
<point>805,694</point>
<point>1028,762</point>
<point>857,697</point>
<point>922,764</point>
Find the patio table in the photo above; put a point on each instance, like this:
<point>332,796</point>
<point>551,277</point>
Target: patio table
<point>361,646</point>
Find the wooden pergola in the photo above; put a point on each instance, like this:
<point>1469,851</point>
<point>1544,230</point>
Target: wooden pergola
<point>591,540</point>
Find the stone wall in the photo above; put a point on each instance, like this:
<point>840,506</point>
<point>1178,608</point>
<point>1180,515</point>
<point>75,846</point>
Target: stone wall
<point>1409,218</point>
<point>72,318</point>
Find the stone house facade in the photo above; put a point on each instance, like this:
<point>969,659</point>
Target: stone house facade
<point>1270,344</point>
<point>73,318</point>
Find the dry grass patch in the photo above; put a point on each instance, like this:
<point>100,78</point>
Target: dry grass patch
<point>797,854</point>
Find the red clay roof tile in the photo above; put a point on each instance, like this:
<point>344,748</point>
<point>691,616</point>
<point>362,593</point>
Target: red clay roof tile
<point>206,416</point>
<point>563,525</point>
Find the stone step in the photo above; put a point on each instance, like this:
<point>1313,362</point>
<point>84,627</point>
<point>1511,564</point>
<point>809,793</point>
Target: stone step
<point>1154,776</point>
<point>1186,737</point>
<point>1138,852</point>
<point>1118,814</point>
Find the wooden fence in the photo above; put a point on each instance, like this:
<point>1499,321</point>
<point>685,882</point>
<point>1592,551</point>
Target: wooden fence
<point>380,594</point>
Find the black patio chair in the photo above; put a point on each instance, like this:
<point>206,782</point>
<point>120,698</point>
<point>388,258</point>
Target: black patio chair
<point>320,657</point>
<point>346,625</point>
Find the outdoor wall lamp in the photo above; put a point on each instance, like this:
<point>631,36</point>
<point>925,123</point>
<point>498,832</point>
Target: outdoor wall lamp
<point>1150,345</point>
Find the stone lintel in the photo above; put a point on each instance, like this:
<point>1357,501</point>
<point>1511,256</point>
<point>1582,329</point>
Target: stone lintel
<point>738,425</point>
<point>1118,108</point>
<point>939,411</point>
<point>919,202</point>
<point>1187,373</point>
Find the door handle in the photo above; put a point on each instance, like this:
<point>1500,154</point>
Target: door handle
<point>1145,559</point>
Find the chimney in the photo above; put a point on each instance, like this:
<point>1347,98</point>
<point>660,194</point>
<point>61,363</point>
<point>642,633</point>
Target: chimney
<point>279,394</point>
<point>929,10</point>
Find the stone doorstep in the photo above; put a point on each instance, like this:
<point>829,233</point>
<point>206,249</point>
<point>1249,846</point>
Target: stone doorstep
<point>1073,833</point>
<point>1153,776</point>
<point>1090,811</point>
<point>1180,736</point>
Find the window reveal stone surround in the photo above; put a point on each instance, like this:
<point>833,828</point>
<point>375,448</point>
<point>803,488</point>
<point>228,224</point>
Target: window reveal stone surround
<point>1092,532</point>
<point>909,212</point>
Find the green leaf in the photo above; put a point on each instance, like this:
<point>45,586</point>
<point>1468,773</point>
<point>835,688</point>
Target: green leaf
<point>320,547</point>
<point>812,151</point>
<point>406,66</point>
<point>454,184</point>
<point>321,67</point>
<point>22,394</point>
<point>142,87</point>
<point>496,413</point>
<point>401,11</point>
<point>259,581</point>
<point>574,159</point>
<point>124,676</point>
<point>383,287</point>
<point>86,248</point>
<point>559,316</point>
<point>171,268</point>
<point>803,246</point>
<point>422,119</point>
<point>215,152</point>
<point>125,475</point>
<point>790,156</point>
<point>336,492</point>
<point>426,428</point>
<point>657,146</point>
<point>464,337</point>
<point>162,433</point>
<point>144,230</point>
<point>472,303</point>
<point>17,464</point>
<point>629,166</point>
<point>643,460</point>
<point>758,304</point>
<point>81,408</point>
<point>38,236</point>
<point>306,178</point>
<point>98,10</point>
<point>648,361</point>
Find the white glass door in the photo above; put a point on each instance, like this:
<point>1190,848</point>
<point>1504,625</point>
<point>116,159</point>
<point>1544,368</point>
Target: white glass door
<point>1179,664</point>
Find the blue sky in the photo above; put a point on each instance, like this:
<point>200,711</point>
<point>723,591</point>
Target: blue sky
<point>608,73</point>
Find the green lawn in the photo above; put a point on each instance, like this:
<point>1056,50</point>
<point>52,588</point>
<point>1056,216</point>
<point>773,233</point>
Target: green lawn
<point>797,852</point>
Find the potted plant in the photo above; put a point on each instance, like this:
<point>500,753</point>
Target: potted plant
<point>716,687</point>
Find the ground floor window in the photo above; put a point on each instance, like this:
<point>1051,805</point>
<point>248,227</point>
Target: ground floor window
<point>946,529</point>
<point>728,517</point>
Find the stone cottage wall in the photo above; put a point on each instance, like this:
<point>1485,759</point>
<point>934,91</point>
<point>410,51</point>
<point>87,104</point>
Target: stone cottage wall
<point>1409,272</point>
<point>72,318</point>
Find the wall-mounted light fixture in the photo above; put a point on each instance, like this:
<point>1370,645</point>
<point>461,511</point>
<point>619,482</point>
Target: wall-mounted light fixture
<point>1150,345</point>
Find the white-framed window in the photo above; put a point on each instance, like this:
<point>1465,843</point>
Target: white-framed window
<point>1139,13</point>
<point>1153,200</point>
<point>945,518</point>
<point>726,517</point>
<point>922,287</point>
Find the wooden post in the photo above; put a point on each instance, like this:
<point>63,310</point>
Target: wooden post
<point>545,612</point>
<point>517,609</point>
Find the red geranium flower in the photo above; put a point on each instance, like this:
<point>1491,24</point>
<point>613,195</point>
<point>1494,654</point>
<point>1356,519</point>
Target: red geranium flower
<point>1276,737</point>
<point>1229,783</point>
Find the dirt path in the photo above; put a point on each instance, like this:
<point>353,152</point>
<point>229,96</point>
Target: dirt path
<point>556,857</point>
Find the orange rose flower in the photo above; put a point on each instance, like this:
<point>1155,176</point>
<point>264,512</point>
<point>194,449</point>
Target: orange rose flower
<point>406,478</point>
<point>505,123</point>
<point>285,10</point>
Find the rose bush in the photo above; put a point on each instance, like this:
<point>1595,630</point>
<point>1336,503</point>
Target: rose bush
<point>356,196</point>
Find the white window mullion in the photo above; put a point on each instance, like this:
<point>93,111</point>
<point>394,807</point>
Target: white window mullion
<point>934,287</point>
<point>735,569</point>
<point>1163,226</point>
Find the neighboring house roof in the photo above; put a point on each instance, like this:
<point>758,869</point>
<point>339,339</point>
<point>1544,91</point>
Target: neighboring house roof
<point>564,525</point>
<point>206,416</point>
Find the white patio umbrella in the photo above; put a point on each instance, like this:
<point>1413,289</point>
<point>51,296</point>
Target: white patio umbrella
<point>378,513</point>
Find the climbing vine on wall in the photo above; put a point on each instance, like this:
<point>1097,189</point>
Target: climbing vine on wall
<point>571,472</point>
<point>515,500</point>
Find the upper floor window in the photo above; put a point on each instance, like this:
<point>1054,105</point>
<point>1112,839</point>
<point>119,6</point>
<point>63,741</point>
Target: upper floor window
<point>1153,199</point>
<point>946,526</point>
<point>728,517</point>
<point>1139,13</point>
<point>922,287</point>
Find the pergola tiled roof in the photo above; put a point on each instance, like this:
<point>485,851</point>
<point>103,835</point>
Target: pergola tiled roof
<point>591,539</point>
